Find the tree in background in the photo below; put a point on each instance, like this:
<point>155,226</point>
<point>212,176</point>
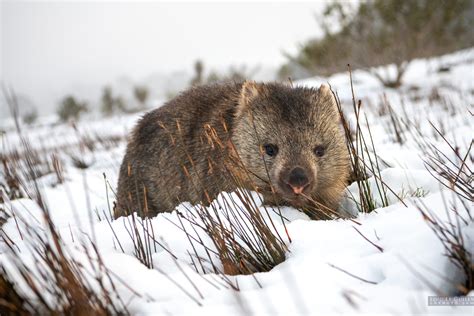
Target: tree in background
<point>141,94</point>
<point>108,102</point>
<point>30,116</point>
<point>116,104</point>
<point>234,74</point>
<point>198,73</point>
<point>382,32</point>
<point>27,110</point>
<point>120,105</point>
<point>70,108</point>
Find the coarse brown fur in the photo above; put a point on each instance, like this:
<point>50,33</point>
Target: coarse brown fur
<point>181,151</point>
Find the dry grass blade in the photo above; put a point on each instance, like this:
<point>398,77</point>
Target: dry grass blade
<point>352,275</point>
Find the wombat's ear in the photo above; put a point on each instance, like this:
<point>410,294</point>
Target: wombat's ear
<point>250,91</point>
<point>326,98</point>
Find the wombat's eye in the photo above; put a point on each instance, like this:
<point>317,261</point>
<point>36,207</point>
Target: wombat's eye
<point>270,149</point>
<point>319,151</point>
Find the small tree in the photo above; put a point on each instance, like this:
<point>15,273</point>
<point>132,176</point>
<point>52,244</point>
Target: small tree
<point>70,108</point>
<point>108,102</point>
<point>141,94</point>
<point>198,73</point>
<point>120,104</point>
<point>31,116</point>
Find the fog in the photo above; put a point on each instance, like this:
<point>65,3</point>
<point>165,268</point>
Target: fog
<point>49,49</point>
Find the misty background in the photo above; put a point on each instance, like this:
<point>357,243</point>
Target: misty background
<point>51,49</point>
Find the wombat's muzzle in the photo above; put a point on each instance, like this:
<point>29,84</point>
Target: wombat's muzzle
<point>296,181</point>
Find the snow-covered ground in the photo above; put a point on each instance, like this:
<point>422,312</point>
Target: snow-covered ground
<point>330,267</point>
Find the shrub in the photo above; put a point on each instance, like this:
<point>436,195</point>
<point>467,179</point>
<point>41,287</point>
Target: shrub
<point>70,108</point>
<point>30,117</point>
<point>382,32</point>
<point>141,94</point>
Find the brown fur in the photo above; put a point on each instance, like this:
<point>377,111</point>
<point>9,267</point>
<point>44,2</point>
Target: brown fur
<point>180,152</point>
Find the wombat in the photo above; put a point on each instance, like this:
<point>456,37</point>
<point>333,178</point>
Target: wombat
<point>288,140</point>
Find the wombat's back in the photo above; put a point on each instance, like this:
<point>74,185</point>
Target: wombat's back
<point>169,159</point>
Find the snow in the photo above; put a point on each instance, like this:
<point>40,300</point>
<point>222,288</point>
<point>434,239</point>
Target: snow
<point>329,268</point>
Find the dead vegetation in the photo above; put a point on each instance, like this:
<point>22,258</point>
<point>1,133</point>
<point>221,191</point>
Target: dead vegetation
<point>451,166</point>
<point>452,169</point>
<point>57,283</point>
<point>365,162</point>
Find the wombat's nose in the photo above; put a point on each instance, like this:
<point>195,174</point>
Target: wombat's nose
<point>298,180</point>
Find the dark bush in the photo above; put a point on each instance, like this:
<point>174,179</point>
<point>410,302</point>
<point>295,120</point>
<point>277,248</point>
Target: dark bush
<point>70,108</point>
<point>382,32</point>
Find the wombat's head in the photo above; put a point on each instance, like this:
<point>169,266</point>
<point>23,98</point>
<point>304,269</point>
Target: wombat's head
<point>292,137</point>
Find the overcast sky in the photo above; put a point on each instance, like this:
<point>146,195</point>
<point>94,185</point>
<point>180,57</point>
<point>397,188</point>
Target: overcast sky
<point>48,47</point>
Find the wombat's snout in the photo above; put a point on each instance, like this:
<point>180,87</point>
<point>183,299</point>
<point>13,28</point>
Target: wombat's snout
<point>297,180</point>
